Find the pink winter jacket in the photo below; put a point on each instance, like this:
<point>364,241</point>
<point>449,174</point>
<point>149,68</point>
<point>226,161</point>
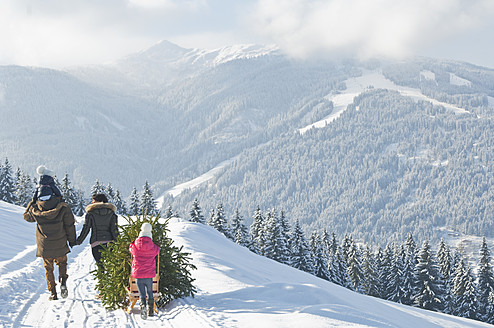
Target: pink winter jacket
<point>143,263</point>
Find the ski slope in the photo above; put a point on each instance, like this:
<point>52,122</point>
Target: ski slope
<point>236,288</point>
<point>372,79</point>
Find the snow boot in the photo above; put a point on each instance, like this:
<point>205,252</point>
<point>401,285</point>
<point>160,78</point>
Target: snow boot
<point>53,295</point>
<point>63,287</point>
<point>150,308</point>
<point>144,311</point>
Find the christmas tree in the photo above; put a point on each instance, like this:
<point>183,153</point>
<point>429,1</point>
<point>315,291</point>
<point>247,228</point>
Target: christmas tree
<point>114,272</point>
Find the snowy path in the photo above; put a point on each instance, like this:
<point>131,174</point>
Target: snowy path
<point>24,297</point>
<point>82,309</point>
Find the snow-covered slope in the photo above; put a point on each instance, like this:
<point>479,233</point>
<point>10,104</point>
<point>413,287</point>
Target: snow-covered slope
<point>164,63</point>
<point>236,288</point>
<point>376,80</point>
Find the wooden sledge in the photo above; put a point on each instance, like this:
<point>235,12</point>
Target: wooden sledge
<point>133,292</point>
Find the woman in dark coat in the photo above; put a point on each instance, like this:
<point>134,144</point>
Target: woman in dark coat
<point>102,221</point>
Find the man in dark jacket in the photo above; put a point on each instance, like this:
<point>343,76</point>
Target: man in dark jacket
<point>55,227</point>
<point>102,221</point>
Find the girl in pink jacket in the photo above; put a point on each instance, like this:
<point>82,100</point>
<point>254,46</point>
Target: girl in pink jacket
<point>143,270</point>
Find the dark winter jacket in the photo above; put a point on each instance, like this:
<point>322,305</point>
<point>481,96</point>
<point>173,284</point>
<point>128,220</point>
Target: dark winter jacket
<point>102,221</point>
<point>55,226</point>
<point>46,186</point>
<point>143,252</point>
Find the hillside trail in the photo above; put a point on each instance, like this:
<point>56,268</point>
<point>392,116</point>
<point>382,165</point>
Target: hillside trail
<point>32,308</point>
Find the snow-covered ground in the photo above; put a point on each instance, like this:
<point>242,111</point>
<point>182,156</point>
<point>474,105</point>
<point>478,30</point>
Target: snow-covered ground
<point>178,189</point>
<point>236,288</point>
<point>456,80</point>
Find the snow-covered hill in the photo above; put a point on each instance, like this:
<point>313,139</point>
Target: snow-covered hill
<point>236,288</point>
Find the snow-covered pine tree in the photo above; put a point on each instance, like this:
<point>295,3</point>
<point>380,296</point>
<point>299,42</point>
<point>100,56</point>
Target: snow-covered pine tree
<point>169,212</point>
<point>239,230</point>
<point>148,204</point>
<point>333,243</point>
<point>326,241</point>
<point>97,188</point>
<point>429,293</point>
<point>319,257</point>
<point>411,248</point>
<point>464,296</point>
<point>24,188</point>
<point>135,204</point>
<point>80,206</point>
<point>119,204</point>
<point>7,183</point>
<point>446,270</point>
<point>110,193</point>
<point>444,260</point>
<point>257,232</point>
<point>485,285</point>
<point>196,213</point>
<point>386,272</point>
<point>379,259</point>
<point>17,184</point>
<point>285,228</point>
<point>346,243</point>
<point>338,269</point>
<point>276,243</point>
<point>174,265</point>
<point>68,192</point>
<point>370,283</point>
<point>354,268</point>
<point>395,286</point>
<point>220,223</point>
<point>408,274</point>
<point>299,252</point>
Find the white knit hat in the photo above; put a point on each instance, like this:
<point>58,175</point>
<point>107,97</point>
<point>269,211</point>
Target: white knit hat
<point>42,170</point>
<point>146,230</point>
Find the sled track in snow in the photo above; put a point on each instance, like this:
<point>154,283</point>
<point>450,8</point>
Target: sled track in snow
<point>21,283</point>
<point>196,316</point>
<point>24,298</point>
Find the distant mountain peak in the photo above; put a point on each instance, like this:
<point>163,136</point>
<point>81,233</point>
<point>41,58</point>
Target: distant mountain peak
<point>243,51</point>
<point>166,51</point>
<point>163,50</point>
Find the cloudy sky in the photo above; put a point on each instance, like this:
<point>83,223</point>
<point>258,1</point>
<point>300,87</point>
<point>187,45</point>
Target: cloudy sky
<point>60,33</point>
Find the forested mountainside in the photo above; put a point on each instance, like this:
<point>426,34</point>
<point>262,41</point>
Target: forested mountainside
<point>393,162</point>
<point>181,125</point>
<point>387,166</point>
<point>50,117</point>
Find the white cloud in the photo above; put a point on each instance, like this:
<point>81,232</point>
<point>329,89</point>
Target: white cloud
<point>366,28</point>
<point>58,33</point>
